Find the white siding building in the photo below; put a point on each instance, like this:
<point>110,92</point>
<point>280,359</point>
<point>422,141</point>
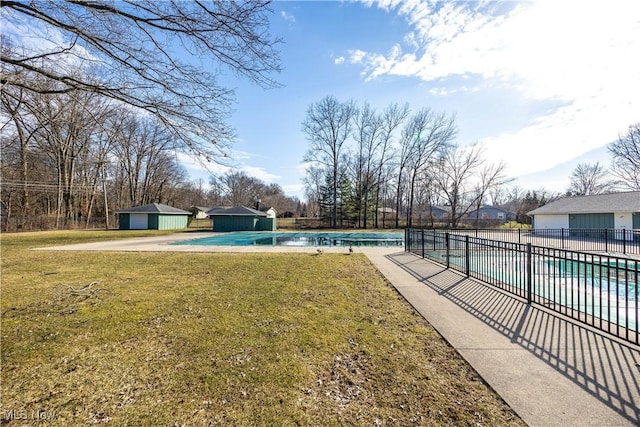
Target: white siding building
<point>620,211</point>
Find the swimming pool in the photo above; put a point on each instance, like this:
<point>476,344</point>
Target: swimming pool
<point>273,238</point>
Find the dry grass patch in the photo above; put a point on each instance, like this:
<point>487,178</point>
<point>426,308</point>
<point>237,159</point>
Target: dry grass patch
<point>224,339</point>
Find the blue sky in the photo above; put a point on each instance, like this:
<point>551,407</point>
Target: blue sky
<point>538,84</point>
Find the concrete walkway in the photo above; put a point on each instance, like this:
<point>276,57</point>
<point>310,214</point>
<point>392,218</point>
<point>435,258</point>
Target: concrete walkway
<point>551,371</point>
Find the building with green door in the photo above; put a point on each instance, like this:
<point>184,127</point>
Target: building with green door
<point>618,211</point>
<point>154,216</point>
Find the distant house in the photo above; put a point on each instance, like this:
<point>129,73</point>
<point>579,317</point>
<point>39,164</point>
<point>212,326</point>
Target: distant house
<point>387,211</point>
<point>440,213</point>
<point>154,216</point>
<point>200,212</point>
<point>242,218</point>
<point>490,213</point>
<point>611,211</point>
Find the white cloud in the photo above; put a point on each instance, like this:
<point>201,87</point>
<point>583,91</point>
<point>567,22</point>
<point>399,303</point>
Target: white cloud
<point>196,168</point>
<point>296,190</point>
<point>356,56</point>
<point>287,17</point>
<point>260,173</point>
<point>578,55</point>
<point>339,60</point>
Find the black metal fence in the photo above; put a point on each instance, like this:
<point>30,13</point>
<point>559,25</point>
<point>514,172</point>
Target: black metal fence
<point>600,290</point>
<point>583,239</point>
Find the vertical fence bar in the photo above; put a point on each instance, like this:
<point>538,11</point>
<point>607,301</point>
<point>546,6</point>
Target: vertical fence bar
<point>434,240</point>
<point>529,275</point>
<point>422,243</point>
<point>626,300</point>
<point>593,287</point>
<point>637,284</point>
<point>609,268</point>
<point>466,255</point>
<point>617,276</point>
<point>406,240</point>
<point>600,292</point>
<point>576,306</point>
<point>446,244</point>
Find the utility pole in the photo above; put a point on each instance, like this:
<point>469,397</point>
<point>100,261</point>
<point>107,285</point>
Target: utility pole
<point>104,191</point>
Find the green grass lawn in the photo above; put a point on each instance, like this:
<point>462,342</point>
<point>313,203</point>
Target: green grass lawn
<point>197,339</point>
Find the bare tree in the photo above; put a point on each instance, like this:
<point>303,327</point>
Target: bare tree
<point>20,128</point>
<point>453,176</point>
<point>238,188</point>
<point>434,133</point>
<point>327,126</point>
<point>141,146</point>
<point>313,181</point>
<point>423,136</point>
<point>405,152</point>
<point>125,51</point>
<point>626,158</point>
<point>368,128</point>
<point>93,161</point>
<point>68,123</point>
<point>392,118</point>
<point>588,179</point>
<point>491,178</point>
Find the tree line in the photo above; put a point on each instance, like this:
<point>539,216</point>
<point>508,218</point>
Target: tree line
<point>73,159</point>
<point>365,166</point>
<point>97,106</point>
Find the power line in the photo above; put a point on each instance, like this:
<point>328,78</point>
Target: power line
<point>45,186</point>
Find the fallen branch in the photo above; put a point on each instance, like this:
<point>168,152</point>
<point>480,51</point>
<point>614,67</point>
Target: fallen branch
<point>87,290</point>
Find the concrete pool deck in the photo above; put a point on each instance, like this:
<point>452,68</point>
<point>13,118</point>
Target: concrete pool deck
<point>550,370</point>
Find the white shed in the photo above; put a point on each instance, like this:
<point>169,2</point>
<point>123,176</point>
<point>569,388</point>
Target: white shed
<point>619,211</point>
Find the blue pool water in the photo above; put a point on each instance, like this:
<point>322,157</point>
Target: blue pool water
<point>273,238</point>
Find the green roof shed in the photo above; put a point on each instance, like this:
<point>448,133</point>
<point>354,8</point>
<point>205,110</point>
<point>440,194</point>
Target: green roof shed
<point>242,218</point>
<point>154,216</point>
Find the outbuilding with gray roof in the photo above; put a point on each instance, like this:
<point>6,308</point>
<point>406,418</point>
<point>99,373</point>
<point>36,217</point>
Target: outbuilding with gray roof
<point>603,211</point>
<point>242,218</point>
<point>154,216</point>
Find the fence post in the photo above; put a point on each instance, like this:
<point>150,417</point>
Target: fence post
<point>466,254</point>
<point>423,243</point>
<point>529,275</point>
<point>624,241</point>
<point>446,244</point>
<point>562,238</point>
<point>606,240</point>
<point>433,234</point>
<point>406,240</point>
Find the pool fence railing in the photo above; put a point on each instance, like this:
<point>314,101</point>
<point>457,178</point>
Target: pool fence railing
<point>623,241</point>
<point>600,290</point>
